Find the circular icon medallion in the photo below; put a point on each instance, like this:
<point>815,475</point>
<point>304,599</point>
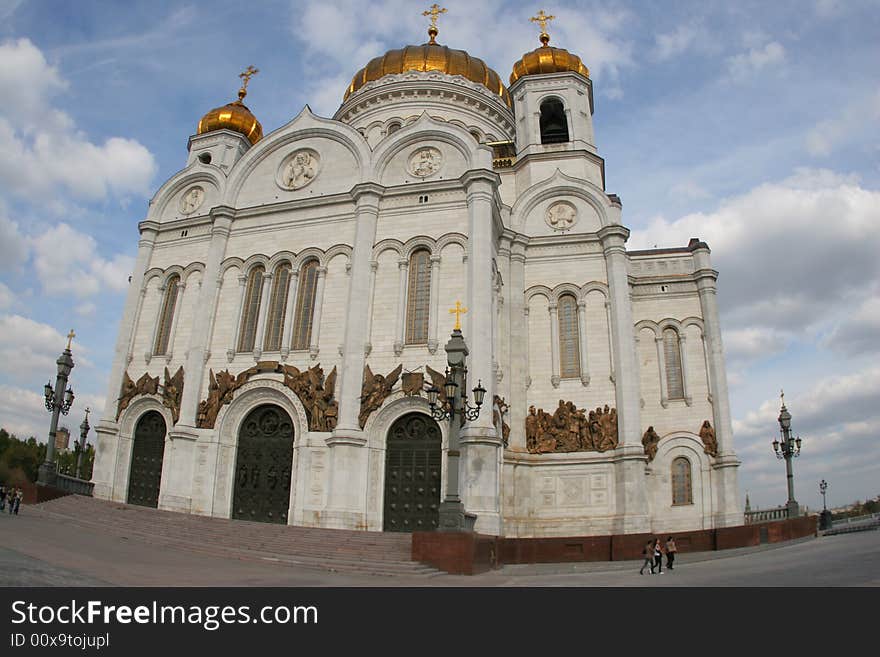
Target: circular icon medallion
<point>299,169</point>
<point>192,200</point>
<point>561,216</point>
<point>425,162</point>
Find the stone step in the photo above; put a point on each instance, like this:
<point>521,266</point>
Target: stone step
<point>348,551</point>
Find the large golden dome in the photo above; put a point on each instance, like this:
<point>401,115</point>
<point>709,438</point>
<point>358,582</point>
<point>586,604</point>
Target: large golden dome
<point>430,56</point>
<point>547,59</point>
<point>234,116</point>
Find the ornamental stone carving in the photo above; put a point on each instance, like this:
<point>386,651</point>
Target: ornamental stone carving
<point>192,200</point>
<point>570,429</point>
<point>650,441</point>
<point>172,392</point>
<point>412,383</point>
<point>146,385</point>
<point>499,410</point>
<point>425,162</point>
<point>299,169</point>
<point>707,435</point>
<point>316,394</point>
<point>375,390</point>
<point>561,216</point>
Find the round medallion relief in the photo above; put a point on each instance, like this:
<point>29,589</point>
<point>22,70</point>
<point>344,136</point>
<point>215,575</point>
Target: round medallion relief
<point>561,216</point>
<point>299,169</point>
<point>425,162</point>
<point>192,200</point>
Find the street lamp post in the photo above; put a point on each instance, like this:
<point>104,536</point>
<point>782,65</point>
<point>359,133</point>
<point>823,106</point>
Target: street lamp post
<point>58,401</point>
<point>788,449</point>
<point>825,517</point>
<point>456,409</point>
<point>81,443</point>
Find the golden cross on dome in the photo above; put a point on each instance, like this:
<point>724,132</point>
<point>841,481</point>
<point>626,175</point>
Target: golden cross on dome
<point>70,336</point>
<point>541,19</point>
<point>458,311</point>
<point>434,12</point>
<point>246,76</point>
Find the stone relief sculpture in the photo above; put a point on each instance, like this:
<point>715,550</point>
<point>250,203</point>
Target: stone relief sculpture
<point>220,390</point>
<point>650,441</point>
<point>316,394</point>
<point>300,170</point>
<point>425,162</point>
<point>412,383</point>
<point>146,385</point>
<point>499,410</point>
<point>570,429</point>
<point>707,435</point>
<point>561,216</point>
<point>191,201</point>
<point>438,380</point>
<point>172,392</point>
<point>375,391</point>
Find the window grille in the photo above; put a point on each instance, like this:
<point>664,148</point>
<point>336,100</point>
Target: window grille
<point>672,354</point>
<point>277,308</point>
<point>305,305</point>
<point>682,492</point>
<point>251,310</point>
<point>569,347</point>
<point>418,298</point>
<point>163,335</point>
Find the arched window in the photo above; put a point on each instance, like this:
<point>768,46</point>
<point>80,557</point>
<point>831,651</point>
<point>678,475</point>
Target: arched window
<point>277,308</point>
<point>305,305</point>
<point>682,492</point>
<point>554,124</point>
<point>251,309</point>
<point>169,302</point>
<point>418,297</point>
<point>672,358</point>
<point>569,341</point>
<point>392,127</point>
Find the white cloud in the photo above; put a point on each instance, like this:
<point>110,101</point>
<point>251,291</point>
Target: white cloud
<point>6,296</point>
<point>689,190</point>
<point>749,344</point>
<point>859,332</point>
<point>674,43</point>
<point>755,59</point>
<point>85,272</point>
<point>860,120</point>
<point>23,413</point>
<point>43,150</point>
<point>28,346</point>
<point>13,245</point>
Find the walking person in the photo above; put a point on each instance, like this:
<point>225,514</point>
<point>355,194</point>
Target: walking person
<point>10,499</point>
<point>648,554</point>
<point>18,495</point>
<point>670,552</point>
<point>658,557</point>
<point>2,496</point>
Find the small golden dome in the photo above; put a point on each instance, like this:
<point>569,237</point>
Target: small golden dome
<point>430,57</point>
<point>235,115</point>
<point>547,59</point>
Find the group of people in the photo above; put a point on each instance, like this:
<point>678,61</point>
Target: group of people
<point>653,554</point>
<point>12,497</point>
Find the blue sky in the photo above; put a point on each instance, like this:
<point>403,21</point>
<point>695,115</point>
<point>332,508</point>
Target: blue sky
<point>752,125</point>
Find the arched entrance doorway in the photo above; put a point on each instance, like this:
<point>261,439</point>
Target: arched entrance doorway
<point>263,466</point>
<point>412,475</point>
<point>146,460</point>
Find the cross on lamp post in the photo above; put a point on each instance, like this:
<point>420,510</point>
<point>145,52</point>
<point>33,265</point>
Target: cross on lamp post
<point>58,401</point>
<point>456,409</point>
<point>81,443</point>
<point>788,449</point>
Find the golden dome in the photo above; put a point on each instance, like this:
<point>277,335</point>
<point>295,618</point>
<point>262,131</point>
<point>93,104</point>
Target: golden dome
<point>234,116</point>
<point>430,56</point>
<point>547,59</point>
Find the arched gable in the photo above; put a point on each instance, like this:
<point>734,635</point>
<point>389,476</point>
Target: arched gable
<point>588,200</point>
<point>165,204</point>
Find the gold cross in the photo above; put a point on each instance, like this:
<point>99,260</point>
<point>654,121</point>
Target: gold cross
<point>70,336</point>
<point>458,311</point>
<point>541,19</point>
<point>434,13</point>
<point>246,75</point>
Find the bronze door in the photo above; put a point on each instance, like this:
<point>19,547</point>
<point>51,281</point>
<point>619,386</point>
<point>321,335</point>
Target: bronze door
<point>146,460</point>
<point>412,475</point>
<point>263,466</point>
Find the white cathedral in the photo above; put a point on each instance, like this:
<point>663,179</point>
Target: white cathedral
<point>291,300</point>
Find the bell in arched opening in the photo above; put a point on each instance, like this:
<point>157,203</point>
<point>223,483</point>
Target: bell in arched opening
<point>554,125</point>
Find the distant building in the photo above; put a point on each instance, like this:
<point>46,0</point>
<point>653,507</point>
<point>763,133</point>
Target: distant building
<point>62,439</point>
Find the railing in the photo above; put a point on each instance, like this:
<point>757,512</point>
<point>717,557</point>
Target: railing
<point>73,485</point>
<point>858,520</point>
<point>503,162</point>
<point>766,515</point>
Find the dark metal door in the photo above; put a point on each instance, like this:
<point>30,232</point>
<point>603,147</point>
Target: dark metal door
<point>263,466</point>
<point>412,475</point>
<point>146,460</point>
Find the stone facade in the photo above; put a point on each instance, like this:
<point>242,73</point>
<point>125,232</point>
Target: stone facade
<point>406,165</point>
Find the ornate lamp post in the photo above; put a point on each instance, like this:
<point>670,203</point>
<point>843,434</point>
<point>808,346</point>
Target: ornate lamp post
<point>456,409</point>
<point>825,516</point>
<point>788,449</point>
<point>80,444</point>
<point>58,401</point>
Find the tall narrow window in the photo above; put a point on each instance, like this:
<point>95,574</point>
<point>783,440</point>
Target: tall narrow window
<point>672,355</point>
<point>682,491</point>
<point>554,124</point>
<point>251,310</point>
<point>569,340</point>
<point>277,308</point>
<point>169,302</point>
<point>418,297</point>
<point>305,305</point>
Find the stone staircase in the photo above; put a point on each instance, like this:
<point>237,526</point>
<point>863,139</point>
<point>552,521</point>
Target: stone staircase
<point>335,550</point>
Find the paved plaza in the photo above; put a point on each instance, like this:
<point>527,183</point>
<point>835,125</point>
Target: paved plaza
<point>40,551</point>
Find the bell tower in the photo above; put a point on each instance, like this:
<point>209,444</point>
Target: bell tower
<point>553,99</point>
